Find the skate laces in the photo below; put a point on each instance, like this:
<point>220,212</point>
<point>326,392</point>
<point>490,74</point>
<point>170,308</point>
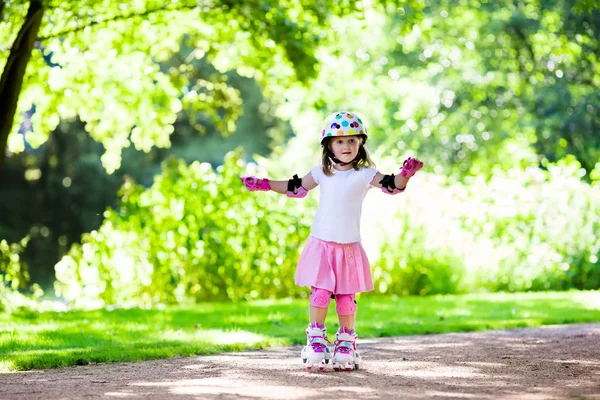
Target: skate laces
<point>343,347</point>
<point>345,340</point>
<point>317,343</point>
<point>317,337</point>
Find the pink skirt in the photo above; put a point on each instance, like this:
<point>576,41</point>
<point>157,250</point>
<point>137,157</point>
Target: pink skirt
<point>339,268</point>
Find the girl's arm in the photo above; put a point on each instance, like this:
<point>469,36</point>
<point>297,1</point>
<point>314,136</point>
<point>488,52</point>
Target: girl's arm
<point>400,182</point>
<point>394,184</point>
<point>307,183</point>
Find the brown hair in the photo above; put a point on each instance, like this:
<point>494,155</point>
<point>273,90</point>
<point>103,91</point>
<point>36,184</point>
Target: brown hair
<point>362,158</point>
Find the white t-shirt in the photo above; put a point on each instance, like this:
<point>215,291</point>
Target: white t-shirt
<point>338,216</point>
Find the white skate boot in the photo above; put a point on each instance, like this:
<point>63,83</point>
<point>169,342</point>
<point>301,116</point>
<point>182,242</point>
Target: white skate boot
<point>315,353</point>
<point>345,355</point>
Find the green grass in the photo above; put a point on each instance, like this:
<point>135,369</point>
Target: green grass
<point>30,340</point>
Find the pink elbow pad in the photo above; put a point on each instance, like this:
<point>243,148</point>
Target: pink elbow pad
<point>301,193</point>
<point>252,183</point>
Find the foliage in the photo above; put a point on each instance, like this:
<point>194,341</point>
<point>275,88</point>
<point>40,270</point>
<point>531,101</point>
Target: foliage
<point>194,234</point>
<point>56,193</point>
<point>473,87</point>
<point>408,266</point>
<point>14,277</point>
<point>585,6</point>
<point>106,62</point>
<point>477,89</point>
<point>543,228</point>
<point>55,339</point>
<point>523,230</point>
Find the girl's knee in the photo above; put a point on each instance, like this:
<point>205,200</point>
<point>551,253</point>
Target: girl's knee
<point>345,304</point>
<point>320,297</point>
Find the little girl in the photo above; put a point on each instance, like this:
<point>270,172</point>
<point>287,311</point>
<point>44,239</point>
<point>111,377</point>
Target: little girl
<point>333,262</point>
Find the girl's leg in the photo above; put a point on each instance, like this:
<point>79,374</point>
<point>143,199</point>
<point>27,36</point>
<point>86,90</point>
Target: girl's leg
<point>318,314</point>
<point>346,310</point>
<point>319,304</point>
<point>345,355</point>
<point>316,353</point>
<point>347,321</point>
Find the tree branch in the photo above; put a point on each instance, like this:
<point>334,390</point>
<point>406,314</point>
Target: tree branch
<point>525,40</point>
<point>2,5</point>
<point>118,18</point>
<point>11,81</point>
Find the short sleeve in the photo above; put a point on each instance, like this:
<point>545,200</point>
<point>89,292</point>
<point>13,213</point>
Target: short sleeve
<point>369,174</point>
<point>317,173</point>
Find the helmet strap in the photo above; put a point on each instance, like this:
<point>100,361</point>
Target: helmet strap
<point>335,160</point>
<point>338,162</point>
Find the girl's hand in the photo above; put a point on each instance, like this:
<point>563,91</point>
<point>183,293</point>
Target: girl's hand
<point>252,183</point>
<point>410,167</point>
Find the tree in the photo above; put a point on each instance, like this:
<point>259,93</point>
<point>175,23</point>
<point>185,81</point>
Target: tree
<point>12,75</point>
<point>522,81</point>
<point>475,86</point>
<point>54,194</point>
<point>103,61</point>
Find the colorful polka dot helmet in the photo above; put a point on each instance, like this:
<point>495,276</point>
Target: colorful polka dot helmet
<point>343,123</point>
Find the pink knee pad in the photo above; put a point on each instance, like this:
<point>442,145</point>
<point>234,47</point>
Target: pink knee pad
<point>345,304</point>
<point>320,297</point>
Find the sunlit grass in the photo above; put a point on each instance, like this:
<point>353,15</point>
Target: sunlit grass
<point>30,340</point>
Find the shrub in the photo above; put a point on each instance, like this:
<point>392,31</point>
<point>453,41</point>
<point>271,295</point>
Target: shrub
<point>195,234</point>
<point>15,287</point>
<point>521,230</point>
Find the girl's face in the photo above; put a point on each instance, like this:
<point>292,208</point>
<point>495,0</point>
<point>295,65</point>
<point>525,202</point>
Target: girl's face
<point>345,148</point>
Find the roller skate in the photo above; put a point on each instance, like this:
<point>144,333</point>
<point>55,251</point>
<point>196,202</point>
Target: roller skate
<point>345,356</point>
<point>315,353</point>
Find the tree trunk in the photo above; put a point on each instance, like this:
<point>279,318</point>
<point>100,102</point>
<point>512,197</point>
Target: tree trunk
<point>2,5</point>
<point>11,81</point>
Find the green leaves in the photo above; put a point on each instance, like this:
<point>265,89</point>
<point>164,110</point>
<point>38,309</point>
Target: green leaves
<point>127,69</point>
<point>13,273</point>
<point>14,277</point>
<point>472,86</point>
<point>195,234</point>
<point>522,230</point>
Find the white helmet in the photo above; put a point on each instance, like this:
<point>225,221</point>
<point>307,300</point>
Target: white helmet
<point>343,123</point>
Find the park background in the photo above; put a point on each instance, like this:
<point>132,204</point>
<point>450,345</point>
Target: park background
<point>129,124</point>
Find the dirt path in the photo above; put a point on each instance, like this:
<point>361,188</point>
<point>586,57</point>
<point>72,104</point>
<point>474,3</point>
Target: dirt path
<point>558,362</point>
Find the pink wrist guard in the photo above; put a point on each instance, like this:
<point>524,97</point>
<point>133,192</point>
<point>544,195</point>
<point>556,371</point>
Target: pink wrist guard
<point>252,183</point>
<point>301,192</point>
<point>410,167</point>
